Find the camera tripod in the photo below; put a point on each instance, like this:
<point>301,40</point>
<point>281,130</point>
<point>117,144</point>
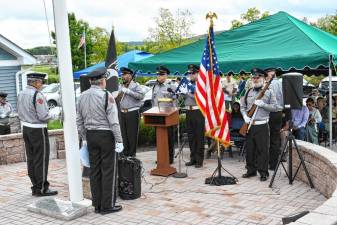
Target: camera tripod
<point>289,173</point>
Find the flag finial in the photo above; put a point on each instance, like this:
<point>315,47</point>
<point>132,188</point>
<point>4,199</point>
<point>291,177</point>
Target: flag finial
<point>210,16</point>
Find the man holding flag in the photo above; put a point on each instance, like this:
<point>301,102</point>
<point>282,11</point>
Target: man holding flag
<point>195,121</point>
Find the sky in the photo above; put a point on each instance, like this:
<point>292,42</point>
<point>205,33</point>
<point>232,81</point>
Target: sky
<point>24,21</point>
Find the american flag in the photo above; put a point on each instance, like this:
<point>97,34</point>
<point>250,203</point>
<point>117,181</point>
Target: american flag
<point>82,40</point>
<point>209,94</point>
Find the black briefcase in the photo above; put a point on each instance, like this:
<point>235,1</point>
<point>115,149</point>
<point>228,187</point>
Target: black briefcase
<point>129,178</point>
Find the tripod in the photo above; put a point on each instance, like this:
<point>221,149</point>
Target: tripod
<point>291,178</point>
<point>220,180</point>
<point>180,174</point>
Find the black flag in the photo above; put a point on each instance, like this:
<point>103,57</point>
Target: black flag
<point>111,64</point>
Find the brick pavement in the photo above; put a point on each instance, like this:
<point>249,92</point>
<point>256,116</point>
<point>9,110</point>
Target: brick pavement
<point>169,200</point>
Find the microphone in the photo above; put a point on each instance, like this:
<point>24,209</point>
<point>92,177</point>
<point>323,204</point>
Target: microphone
<point>170,90</point>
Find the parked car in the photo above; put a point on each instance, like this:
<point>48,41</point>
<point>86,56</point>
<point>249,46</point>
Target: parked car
<point>323,87</point>
<point>52,93</point>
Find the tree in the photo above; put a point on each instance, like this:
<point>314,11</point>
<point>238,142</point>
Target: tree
<point>171,31</point>
<point>251,15</point>
<point>327,23</point>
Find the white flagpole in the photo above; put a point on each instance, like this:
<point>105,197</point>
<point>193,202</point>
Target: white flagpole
<point>330,102</point>
<point>68,101</point>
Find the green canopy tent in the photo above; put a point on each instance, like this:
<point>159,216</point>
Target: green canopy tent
<point>279,40</point>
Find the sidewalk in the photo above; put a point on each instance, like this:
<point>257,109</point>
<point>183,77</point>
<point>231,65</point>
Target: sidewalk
<point>169,200</point>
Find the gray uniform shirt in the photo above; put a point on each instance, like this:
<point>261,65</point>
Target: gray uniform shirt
<point>160,91</point>
<point>276,87</point>
<point>262,112</point>
<point>190,99</point>
<point>91,114</point>
<point>5,111</point>
<point>26,110</point>
<point>133,98</point>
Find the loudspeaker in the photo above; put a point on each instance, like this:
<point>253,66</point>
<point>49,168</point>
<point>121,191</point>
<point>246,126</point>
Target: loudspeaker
<point>84,83</point>
<point>129,178</point>
<point>112,84</point>
<point>292,85</point>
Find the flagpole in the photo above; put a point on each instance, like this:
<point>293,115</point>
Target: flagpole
<point>330,101</point>
<point>85,49</point>
<point>68,101</point>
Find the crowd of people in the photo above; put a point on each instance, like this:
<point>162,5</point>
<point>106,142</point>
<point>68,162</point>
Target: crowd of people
<point>109,125</point>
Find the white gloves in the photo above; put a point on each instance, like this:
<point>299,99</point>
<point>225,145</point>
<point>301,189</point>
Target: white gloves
<point>259,103</point>
<point>246,118</point>
<point>119,147</point>
<point>125,90</point>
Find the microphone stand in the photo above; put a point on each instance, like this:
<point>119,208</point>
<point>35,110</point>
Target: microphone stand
<point>179,174</point>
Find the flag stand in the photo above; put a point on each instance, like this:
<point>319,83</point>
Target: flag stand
<point>219,180</point>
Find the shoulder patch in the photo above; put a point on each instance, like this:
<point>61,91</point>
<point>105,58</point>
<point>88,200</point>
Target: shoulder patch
<point>39,101</point>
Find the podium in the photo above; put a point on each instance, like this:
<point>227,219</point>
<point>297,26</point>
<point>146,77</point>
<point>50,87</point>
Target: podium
<point>162,118</point>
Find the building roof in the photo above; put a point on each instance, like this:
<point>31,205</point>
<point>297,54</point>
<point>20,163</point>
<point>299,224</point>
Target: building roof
<point>23,57</point>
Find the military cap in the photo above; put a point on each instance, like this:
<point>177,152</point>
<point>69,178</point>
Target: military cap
<point>36,75</point>
<point>126,70</point>
<point>161,70</point>
<point>97,74</point>
<point>230,73</point>
<point>3,94</point>
<point>192,68</point>
<point>257,72</point>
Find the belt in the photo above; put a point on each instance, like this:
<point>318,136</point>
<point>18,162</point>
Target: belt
<point>259,122</point>
<point>129,110</point>
<point>99,128</point>
<point>34,125</point>
<point>192,107</point>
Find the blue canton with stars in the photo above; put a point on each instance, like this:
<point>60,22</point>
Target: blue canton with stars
<point>205,61</point>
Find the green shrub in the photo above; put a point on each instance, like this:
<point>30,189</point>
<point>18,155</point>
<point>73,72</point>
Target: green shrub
<point>147,134</point>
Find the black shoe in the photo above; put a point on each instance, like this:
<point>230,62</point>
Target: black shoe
<point>111,210</point>
<point>198,165</point>
<point>97,210</point>
<point>272,168</point>
<point>263,177</point>
<point>190,163</point>
<point>171,161</point>
<point>249,174</point>
<point>47,192</point>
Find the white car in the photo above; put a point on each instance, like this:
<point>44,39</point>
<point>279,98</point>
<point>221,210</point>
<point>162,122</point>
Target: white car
<point>52,93</point>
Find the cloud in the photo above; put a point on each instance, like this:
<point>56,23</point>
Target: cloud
<point>24,22</point>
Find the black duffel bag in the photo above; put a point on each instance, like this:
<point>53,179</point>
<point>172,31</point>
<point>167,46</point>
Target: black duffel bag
<point>129,178</point>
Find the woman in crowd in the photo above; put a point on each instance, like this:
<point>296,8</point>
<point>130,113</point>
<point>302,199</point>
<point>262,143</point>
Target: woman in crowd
<point>314,118</point>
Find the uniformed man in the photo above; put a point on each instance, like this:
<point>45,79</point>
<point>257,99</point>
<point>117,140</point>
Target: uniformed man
<point>131,100</point>
<point>97,121</point>
<point>275,118</point>
<point>195,122</point>
<point>163,90</point>
<point>5,110</point>
<point>34,115</point>
<point>257,139</point>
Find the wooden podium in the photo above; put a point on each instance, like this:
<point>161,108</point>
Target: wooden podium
<point>162,118</point>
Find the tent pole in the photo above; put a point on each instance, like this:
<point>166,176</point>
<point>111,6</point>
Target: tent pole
<point>330,102</point>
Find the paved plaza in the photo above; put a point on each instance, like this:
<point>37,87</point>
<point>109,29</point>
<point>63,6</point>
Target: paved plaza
<point>169,200</point>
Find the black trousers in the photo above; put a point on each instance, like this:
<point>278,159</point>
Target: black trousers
<point>5,129</point>
<point>195,124</point>
<point>275,125</point>
<point>129,123</point>
<point>171,140</point>
<point>37,151</point>
<point>257,155</point>
<point>101,147</point>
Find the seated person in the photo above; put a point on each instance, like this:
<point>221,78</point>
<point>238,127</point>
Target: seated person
<point>323,126</point>
<point>299,121</point>
<point>5,110</point>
